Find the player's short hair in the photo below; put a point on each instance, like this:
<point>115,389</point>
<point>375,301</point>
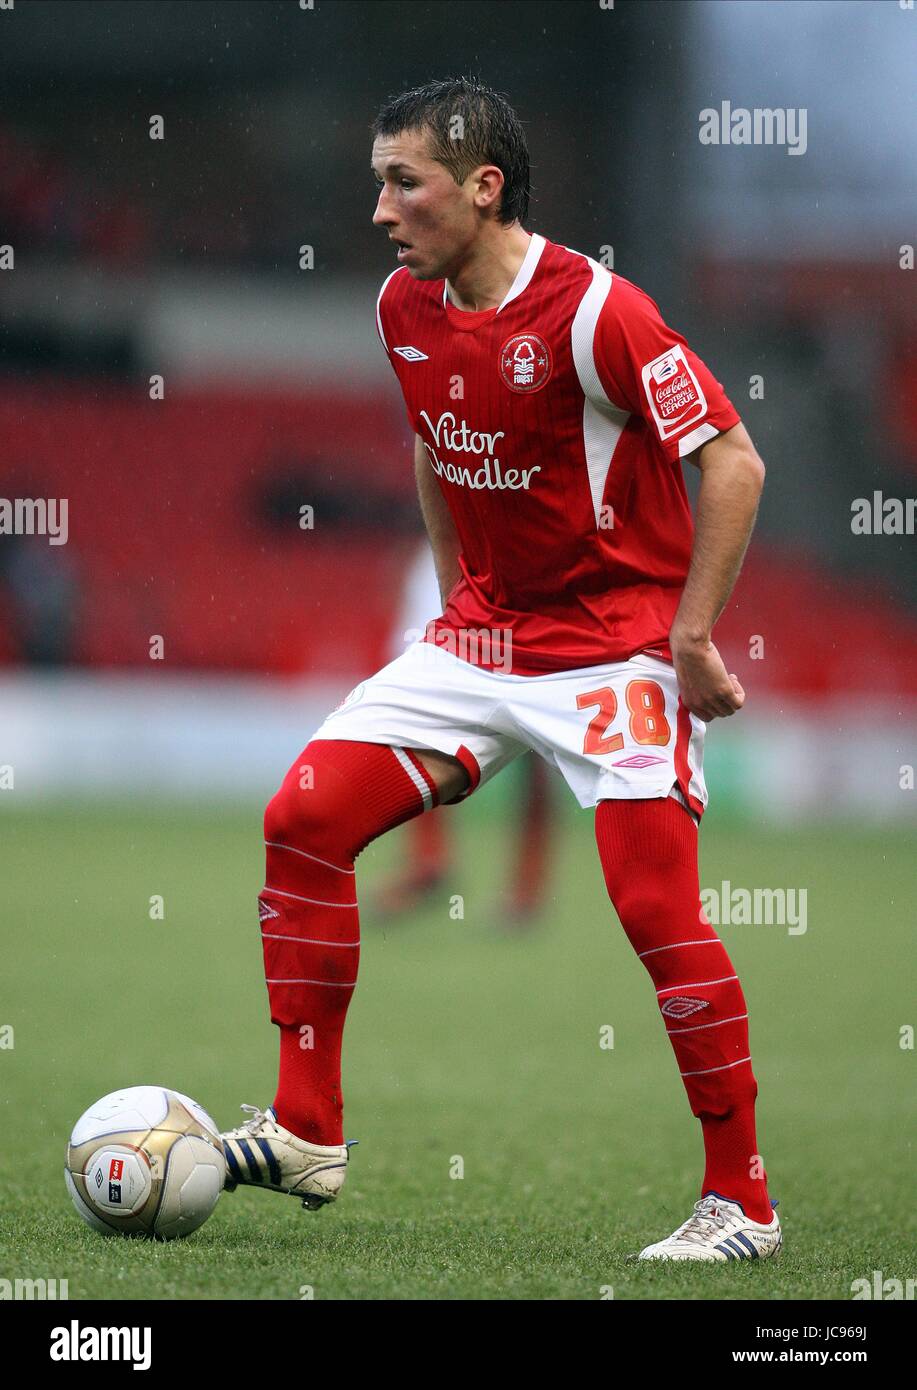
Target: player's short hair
<point>490,132</point>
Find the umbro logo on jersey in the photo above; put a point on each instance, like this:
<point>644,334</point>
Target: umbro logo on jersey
<point>411,354</point>
<point>682,1007</point>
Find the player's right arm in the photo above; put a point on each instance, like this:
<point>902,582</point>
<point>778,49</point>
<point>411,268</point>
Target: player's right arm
<point>438,521</point>
<point>639,360</point>
<point>732,476</point>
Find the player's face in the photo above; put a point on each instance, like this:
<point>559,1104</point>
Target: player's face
<point>432,219</point>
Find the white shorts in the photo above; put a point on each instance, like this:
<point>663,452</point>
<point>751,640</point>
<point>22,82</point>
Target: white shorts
<point>617,731</point>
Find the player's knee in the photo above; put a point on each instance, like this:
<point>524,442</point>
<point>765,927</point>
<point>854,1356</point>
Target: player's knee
<point>302,813</point>
<point>636,896</point>
<point>278,817</point>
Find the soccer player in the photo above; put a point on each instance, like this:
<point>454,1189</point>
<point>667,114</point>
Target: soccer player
<point>553,408</point>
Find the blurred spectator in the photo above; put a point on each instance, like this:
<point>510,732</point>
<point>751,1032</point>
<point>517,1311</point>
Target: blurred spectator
<point>42,585</point>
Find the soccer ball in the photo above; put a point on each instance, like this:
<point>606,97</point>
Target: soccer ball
<point>145,1162</point>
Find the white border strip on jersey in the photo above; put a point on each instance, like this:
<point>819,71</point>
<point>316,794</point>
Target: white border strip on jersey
<point>385,286</point>
<point>603,421</point>
<point>526,270</point>
<point>523,274</point>
<point>689,442</point>
<point>416,778</point>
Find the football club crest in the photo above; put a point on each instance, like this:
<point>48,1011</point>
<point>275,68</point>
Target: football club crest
<point>525,362</point>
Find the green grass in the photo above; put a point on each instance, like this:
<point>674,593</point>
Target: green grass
<point>462,1040</point>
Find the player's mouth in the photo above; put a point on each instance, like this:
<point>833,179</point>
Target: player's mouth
<point>403,247</point>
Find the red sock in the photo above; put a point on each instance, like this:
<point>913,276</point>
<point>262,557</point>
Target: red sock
<point>648,851</point>
<point>335,798</point>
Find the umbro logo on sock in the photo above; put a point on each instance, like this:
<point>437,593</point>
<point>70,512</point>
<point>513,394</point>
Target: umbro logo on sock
<point>265,912</point>
<point>682,1007</point>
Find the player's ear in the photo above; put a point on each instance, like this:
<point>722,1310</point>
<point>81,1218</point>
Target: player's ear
<point>489,186</point>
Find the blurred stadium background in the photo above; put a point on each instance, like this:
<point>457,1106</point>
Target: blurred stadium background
<point>178,258</point>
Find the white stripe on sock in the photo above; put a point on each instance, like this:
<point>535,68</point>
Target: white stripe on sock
<point>706,1070</point>
<point>416,777</point>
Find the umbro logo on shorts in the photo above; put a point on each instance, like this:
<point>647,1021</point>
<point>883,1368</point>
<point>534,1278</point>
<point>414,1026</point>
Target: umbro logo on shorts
<point>411,354</point>
<point>638,760</point>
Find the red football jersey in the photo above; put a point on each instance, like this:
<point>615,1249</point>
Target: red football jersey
<point>556,424</point>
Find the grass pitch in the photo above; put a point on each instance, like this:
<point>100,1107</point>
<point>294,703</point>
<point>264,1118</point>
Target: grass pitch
<point>464,1043</point>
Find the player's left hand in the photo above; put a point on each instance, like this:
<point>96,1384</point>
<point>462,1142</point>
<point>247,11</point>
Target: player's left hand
<point>707,689</point>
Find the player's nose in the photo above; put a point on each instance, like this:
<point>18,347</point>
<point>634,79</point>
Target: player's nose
<point>383,217</point>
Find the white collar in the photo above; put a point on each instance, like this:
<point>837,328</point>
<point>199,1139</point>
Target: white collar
<point>523,274</point>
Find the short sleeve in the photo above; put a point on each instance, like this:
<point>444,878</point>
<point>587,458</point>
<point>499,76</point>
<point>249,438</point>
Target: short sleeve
<point>379,325</point>
<point>647,368</point>
<point>384,328</point>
